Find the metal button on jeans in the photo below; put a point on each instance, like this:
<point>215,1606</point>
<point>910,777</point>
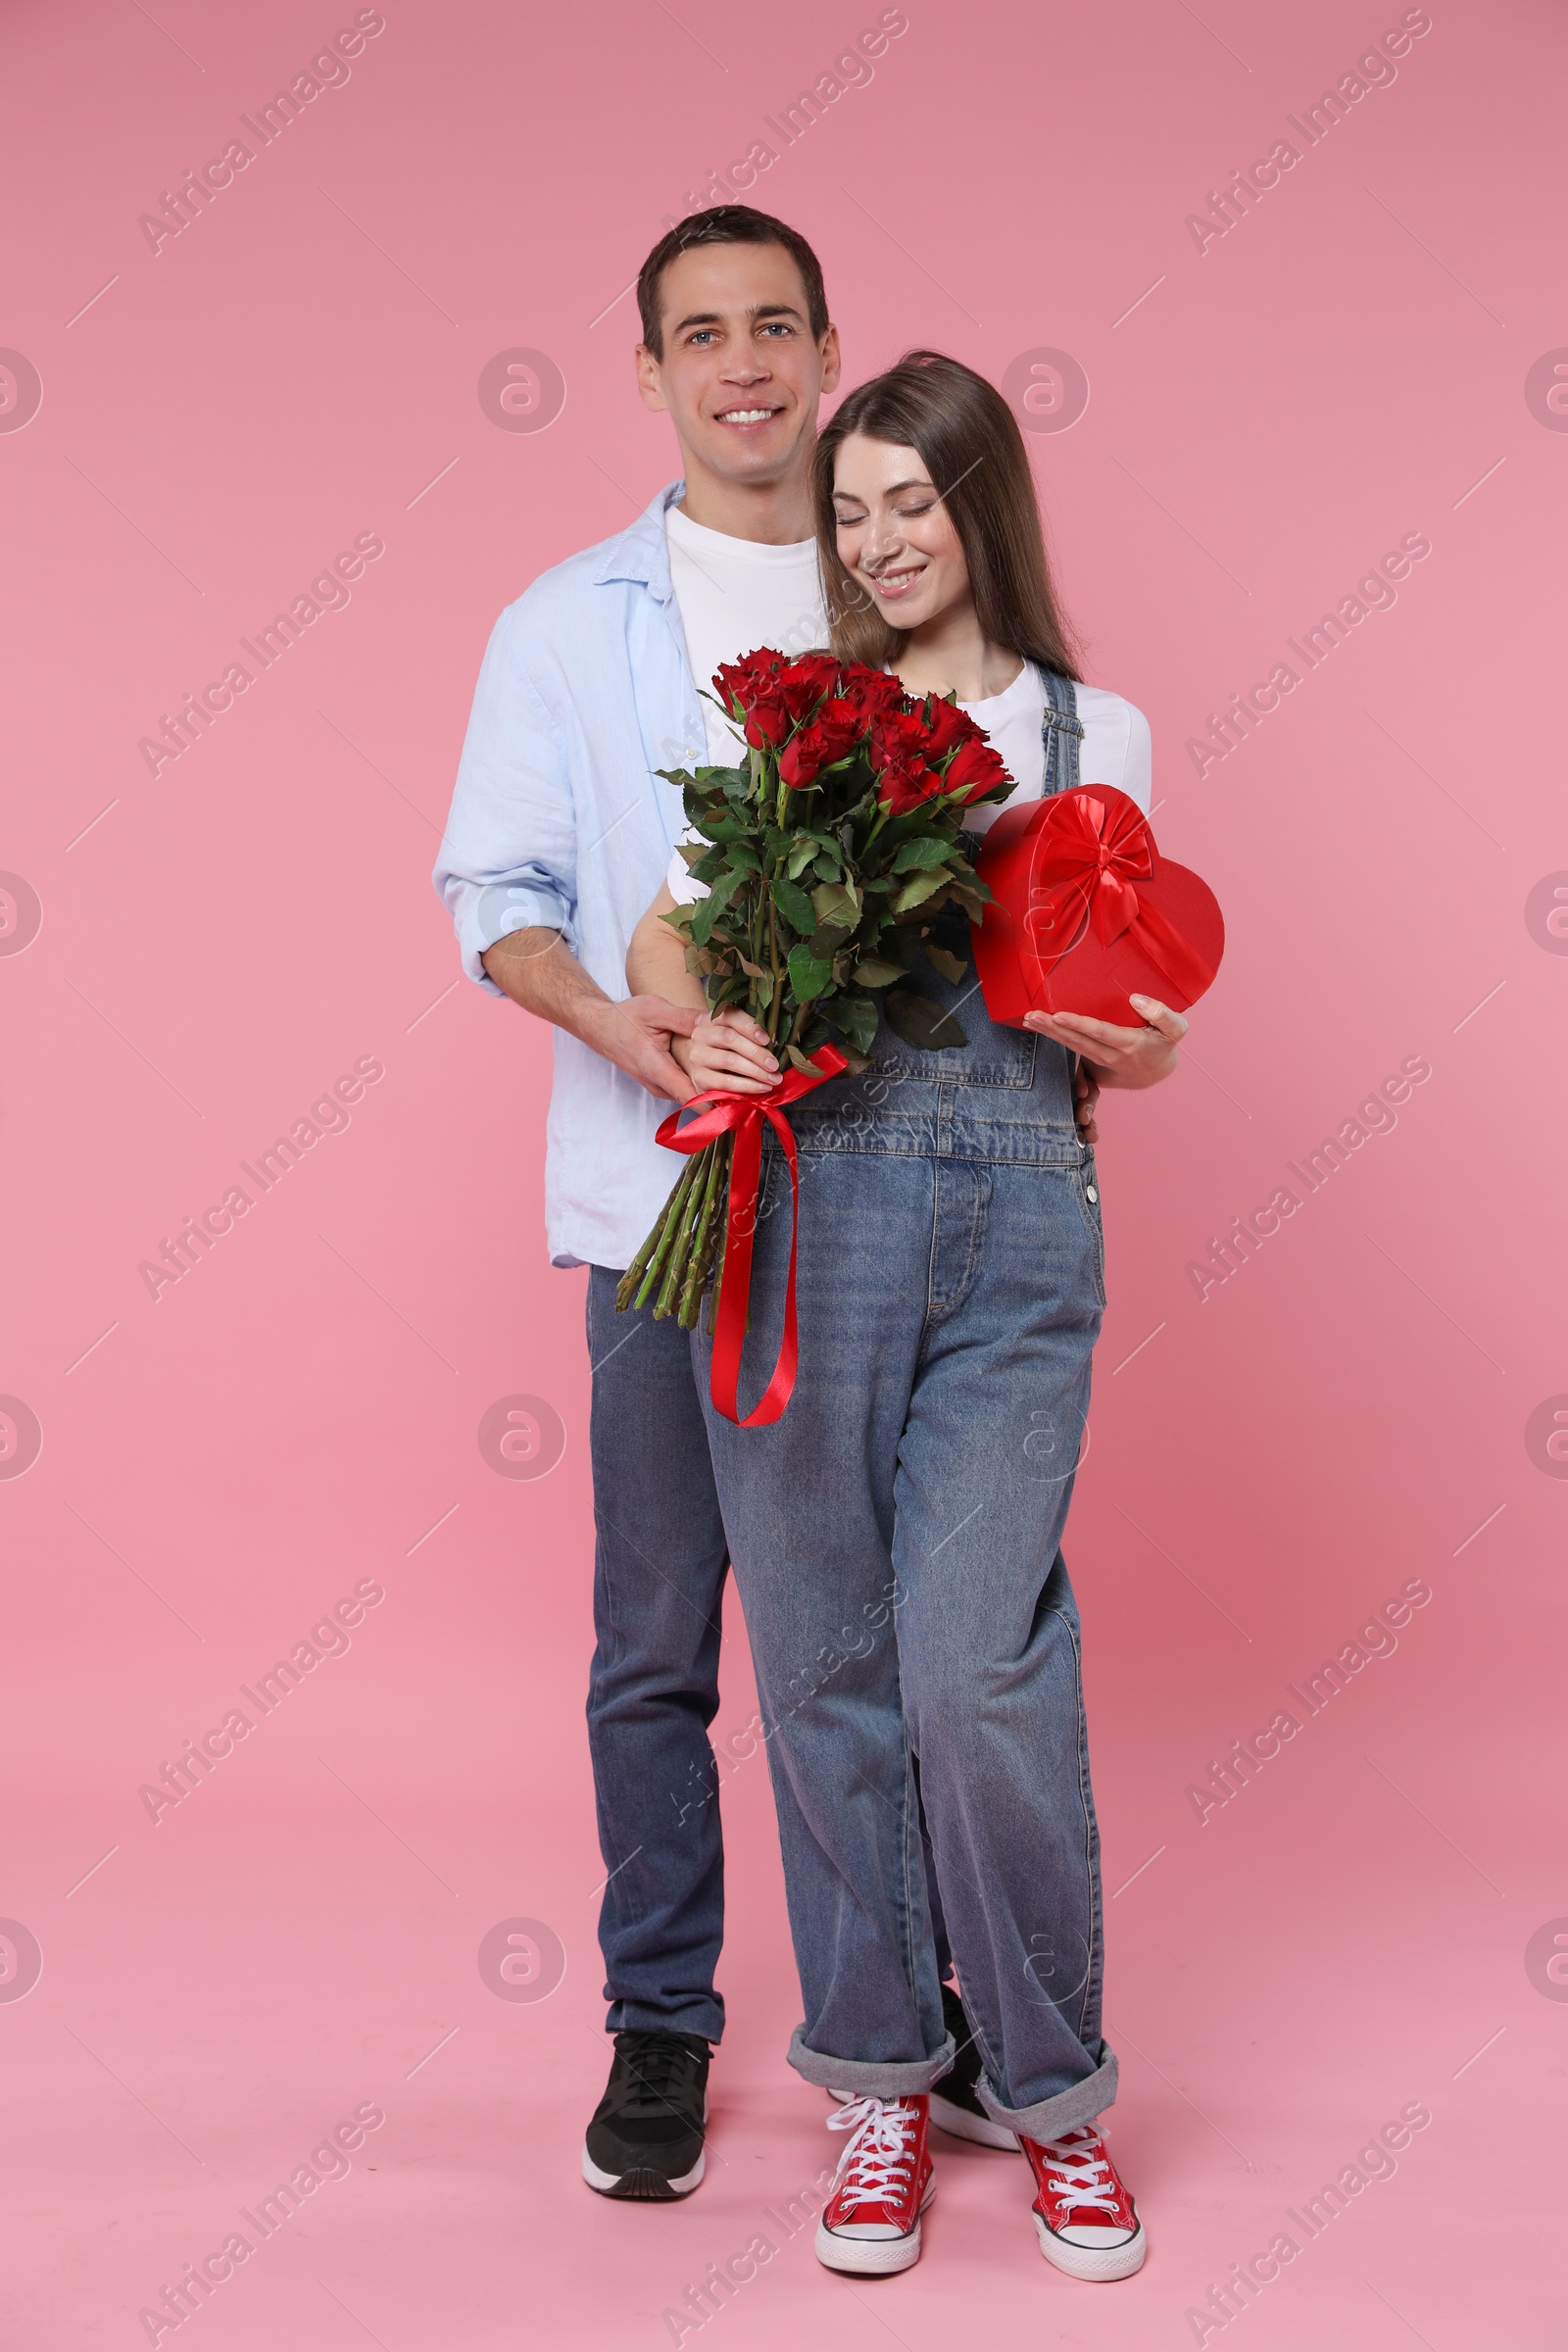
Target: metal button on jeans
<point>1090,1192</point>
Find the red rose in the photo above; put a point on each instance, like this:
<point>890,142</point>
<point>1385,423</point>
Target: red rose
<point>828,736</point>
<point>907,786</point>
<point>767,720</point>
<point>753,674</point>
<point>820,672</point>
<point>947,725</point>
<point>975,767</point>
<point>872,690</point>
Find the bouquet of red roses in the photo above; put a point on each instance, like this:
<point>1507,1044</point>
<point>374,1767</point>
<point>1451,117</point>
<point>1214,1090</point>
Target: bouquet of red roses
<point>827,854</point>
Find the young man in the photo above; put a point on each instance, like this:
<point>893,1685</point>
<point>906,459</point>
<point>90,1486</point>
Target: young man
<point>561,833</point>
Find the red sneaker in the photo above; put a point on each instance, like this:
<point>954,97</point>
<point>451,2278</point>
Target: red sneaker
<point>871,2222</point>
<point>1086,2220</point>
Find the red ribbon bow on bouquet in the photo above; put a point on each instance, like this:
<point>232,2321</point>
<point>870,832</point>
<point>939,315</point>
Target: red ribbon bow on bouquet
<point>1098,854</point>
<point>743,1117</point>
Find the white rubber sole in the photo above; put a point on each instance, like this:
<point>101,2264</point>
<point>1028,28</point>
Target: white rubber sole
<point>609,2184</point>
<point>959,2123</point>
<point>872,2257</point>
<point>1084,2261</point>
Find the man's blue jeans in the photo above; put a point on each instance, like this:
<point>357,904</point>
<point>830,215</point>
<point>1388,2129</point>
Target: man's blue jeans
<point>896,1543</point>
<point>660,1564</point>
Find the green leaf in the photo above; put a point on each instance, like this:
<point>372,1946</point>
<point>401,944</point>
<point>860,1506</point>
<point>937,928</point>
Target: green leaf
<point>703,914</point>
<point>795,906</point>
<point>874,971</point>
<point>926,849</point>
<point>709,910</point>
<point>837,906</point>
<point>920,1023</point>
<point>809,974</point>
<point>951,967</point>
<point>923,887</point>
<point>857,1017</point>
<point>800,857</point>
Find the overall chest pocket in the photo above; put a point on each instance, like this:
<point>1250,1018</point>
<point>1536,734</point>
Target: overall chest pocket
<point>993,1057</point>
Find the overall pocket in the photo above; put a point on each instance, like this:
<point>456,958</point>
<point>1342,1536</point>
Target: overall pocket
<point>993,1057</point>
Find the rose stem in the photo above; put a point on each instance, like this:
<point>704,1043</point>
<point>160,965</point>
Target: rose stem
<point>679,1257</point>
<point>701,1257</point>
<point>667,1228</point>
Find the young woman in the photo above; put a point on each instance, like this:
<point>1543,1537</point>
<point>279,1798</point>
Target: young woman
<point>895,1535</point>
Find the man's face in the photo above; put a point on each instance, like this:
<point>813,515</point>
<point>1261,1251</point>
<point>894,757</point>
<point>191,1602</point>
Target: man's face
<point>741,373</point>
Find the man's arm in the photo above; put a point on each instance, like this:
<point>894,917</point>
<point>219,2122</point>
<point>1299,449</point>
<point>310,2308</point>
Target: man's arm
<point>538,971</point>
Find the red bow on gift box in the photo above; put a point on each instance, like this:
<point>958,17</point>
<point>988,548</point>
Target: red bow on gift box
<point>1087,912</point>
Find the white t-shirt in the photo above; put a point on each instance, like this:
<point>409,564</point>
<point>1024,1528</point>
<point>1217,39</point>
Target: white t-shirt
<point>735,595</point>
<point>1115,749</point>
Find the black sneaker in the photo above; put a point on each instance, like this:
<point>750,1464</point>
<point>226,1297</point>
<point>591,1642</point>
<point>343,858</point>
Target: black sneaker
<point>646,2138</point>
<point>956,2101</point>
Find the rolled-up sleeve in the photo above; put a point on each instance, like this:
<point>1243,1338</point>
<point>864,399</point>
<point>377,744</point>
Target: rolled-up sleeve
<point>508,860</point>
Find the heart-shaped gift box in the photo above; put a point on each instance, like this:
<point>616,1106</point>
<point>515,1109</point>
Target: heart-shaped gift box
<point>1085,911</point>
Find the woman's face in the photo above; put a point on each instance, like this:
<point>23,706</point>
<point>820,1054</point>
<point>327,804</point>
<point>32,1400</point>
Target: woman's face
<point>894,536</point>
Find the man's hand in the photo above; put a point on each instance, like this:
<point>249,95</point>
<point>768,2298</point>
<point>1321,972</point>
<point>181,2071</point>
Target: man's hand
<point>635,1036</point>
<point>1084,1095</point>
<point>537,970</point>
<point>1117,1057</point>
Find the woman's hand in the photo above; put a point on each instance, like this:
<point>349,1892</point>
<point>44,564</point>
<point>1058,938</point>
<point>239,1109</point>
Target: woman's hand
<point>1117,1057</point>
<point>727,1050</point>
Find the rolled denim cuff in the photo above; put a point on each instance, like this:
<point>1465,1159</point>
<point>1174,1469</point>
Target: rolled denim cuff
<point>1079,2103</point>
<point>871,2078</point>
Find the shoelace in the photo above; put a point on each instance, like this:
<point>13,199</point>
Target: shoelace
<point>875,2165</point>
<point>658,2074</point>
<point>1084,2171</point>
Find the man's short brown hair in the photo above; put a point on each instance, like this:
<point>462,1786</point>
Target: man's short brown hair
<point>727,224</point>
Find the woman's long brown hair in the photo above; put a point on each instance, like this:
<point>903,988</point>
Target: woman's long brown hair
<point>970,444</point>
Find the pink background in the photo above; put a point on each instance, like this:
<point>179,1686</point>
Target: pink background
<point>301,1411</point>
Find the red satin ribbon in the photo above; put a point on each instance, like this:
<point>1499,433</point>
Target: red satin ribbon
<point>1095,857</point>
<point>743,1116</point>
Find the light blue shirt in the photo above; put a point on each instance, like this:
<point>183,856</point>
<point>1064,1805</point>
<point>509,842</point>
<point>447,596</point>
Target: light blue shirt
<point>560,820</point>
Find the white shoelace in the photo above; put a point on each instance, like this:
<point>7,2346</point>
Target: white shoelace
<point>1085,2175</point>
<point>874,2167</point>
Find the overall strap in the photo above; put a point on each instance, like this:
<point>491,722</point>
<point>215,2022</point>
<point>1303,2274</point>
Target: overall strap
<point>1061,731</point>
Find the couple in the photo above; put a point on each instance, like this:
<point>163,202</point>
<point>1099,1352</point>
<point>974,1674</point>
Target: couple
<point>895,1535</point>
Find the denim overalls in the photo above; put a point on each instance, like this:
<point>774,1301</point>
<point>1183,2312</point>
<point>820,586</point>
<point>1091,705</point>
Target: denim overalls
<point>896,1543</point>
